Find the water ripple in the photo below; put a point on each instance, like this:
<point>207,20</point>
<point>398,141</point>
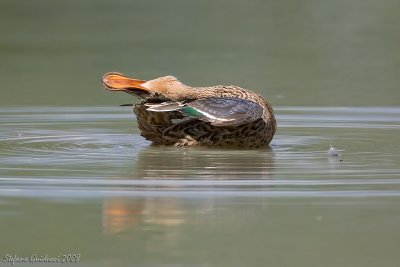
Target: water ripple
<point>96,152</point>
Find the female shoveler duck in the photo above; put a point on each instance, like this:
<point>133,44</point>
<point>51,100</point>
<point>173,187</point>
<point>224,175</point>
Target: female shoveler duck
<point>171,113</point>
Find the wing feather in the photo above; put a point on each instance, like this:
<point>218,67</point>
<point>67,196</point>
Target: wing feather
<point>164,106</point>
<point>224,111</point>
<point>220,111</point>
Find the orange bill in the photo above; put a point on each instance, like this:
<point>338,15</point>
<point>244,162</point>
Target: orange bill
<point>114,81</point>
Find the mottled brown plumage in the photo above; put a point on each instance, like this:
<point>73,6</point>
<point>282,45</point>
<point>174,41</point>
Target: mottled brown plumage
<point>171,113</point>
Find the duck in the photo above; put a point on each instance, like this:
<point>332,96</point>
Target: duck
<point>174,114</point>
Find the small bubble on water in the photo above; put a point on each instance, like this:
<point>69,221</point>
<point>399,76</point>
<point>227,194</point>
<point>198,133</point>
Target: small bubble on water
<point>333,152</point>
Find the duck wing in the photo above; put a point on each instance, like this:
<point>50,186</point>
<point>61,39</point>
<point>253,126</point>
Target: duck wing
<point>224,111</point>
<point>220,111</point>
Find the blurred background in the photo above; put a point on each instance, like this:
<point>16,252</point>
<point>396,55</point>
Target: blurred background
<point>317,53</point>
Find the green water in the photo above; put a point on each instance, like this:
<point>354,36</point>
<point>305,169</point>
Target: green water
<point>77,178</point>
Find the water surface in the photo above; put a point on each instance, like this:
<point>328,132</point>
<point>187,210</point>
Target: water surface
<point>82,180</point>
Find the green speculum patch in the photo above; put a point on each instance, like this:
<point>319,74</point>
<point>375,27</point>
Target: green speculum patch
<point>192,112</point>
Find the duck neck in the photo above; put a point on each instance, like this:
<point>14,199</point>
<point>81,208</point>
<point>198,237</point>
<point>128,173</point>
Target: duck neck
<point>182,93</point>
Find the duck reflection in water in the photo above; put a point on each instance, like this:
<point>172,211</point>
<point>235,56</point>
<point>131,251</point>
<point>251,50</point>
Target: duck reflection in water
<point>163,216</point>
<point>160,162</point>
<point>156,219</point>
<point>161,224</point>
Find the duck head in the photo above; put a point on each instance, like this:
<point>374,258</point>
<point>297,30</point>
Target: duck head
<point>168,86</point>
